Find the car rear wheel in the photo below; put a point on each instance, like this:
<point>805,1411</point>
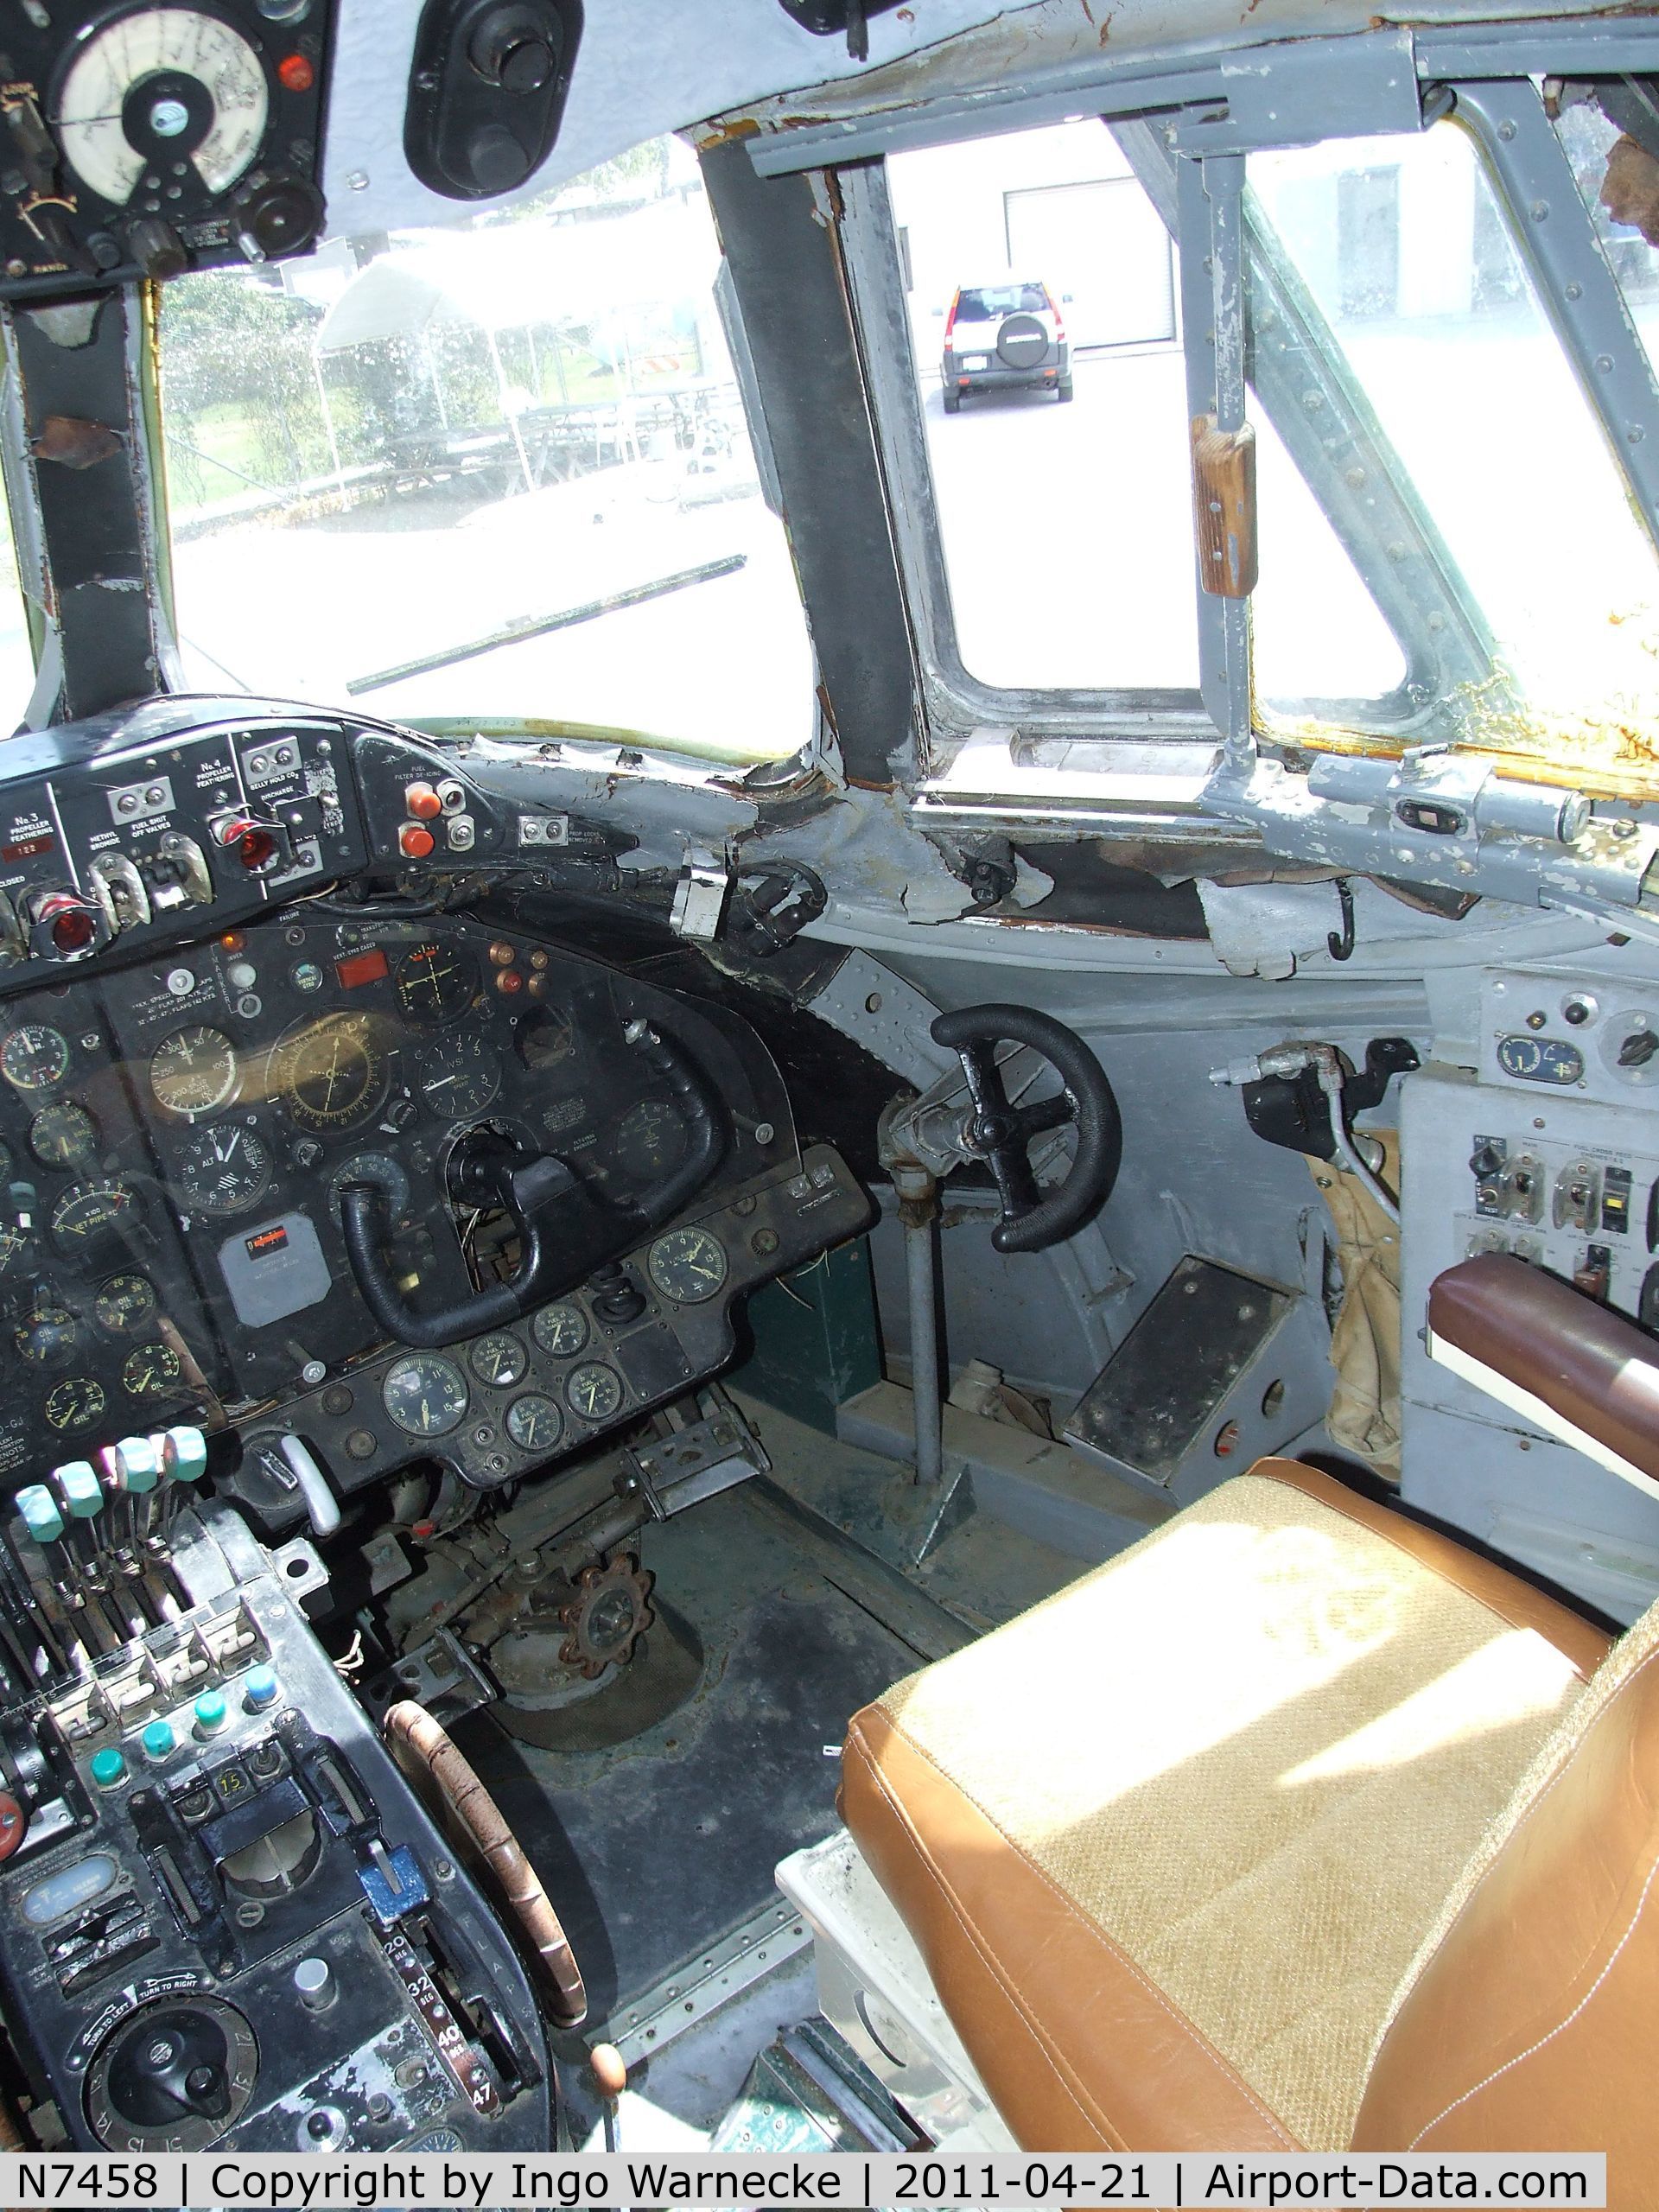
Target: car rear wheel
<point>1063,390</point>
<point>953,403</point>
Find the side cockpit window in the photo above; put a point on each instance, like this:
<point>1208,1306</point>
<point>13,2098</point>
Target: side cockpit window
<point>1454,521</point>
<point>1403,246</point>
<point>499,472</point>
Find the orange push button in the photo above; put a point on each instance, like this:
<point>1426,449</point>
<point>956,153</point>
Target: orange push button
<point>415,840</point>
<point>422,801</point>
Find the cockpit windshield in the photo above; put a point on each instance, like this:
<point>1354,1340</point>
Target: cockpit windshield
<point>481,469</point>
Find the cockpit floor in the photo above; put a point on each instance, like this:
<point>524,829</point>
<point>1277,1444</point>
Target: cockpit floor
<point>657,1847</point>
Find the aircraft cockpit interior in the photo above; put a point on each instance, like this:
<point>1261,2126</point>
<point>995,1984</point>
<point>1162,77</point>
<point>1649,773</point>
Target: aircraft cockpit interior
<point>829,994</point>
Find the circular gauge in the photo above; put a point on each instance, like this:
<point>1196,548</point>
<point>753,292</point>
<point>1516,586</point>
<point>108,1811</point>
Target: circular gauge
<point>546,1036</point>
<point>194,1071</point>
<point>152,1371</point>
<point>89,1214</point>
<point>330,1074</point>
<point>64,1135</point>
<point>688,1265</point>
<point>224,1170</point>
<point>379,1168</point>
<point>425,1395</point>
<point>15,1247</point>
<point>76,1402</point>
<point>436,983</point>
<point>34,1057</point>
<point>460,1075</point>
<point>650,1140</point>
<point>561,1330</point>
<point>498,1359</point>
<point>164,85</point>
<point>594,1390</point>
<point>125,1303</point>
<point>47,1331</point>
<point>534,1423</point>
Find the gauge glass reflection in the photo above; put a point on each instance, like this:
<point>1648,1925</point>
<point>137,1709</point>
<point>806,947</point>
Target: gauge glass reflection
<point>534,1423</point>
<point>34,1057</point>
<point>425,1395</point>
<point>16,1245</point>
<point>593,1390</point>
<point>224,1170</point>
<point>460,1075</point>
<point>498,1359</point>
<point>151,1370</point>
<point>64,1136</point>
<point>76,1402</point>
<point>125,1303</point>
<point>688,1265</point>
<point>194,1071</point>
<point>331,1074</point>
<point>436,983</point>
<point>89,1214</point>
<point>561,1330</point>
<point>47,1332</point>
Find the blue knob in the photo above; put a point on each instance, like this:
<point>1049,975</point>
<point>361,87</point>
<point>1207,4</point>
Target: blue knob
<point>79,1488</point>
<point>259,1687</point>
<point>40,1513</point>
<point>109,1768</point>
<point>158,1739</point>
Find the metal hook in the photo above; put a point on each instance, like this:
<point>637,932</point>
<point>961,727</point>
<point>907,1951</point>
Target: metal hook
<point>1341,945</point>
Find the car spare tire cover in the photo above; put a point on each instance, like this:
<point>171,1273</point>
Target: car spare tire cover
<point>1021,342</point>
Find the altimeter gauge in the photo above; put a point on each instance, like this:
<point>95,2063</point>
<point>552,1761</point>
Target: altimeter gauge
<point>224,1170</point>
<point>162,91</point>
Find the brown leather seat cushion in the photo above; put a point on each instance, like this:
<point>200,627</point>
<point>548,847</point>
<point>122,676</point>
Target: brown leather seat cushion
<point>1168,1842</point>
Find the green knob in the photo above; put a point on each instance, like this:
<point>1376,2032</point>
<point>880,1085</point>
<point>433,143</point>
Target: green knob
<point>158,1739</point>
<point>109,1768</point>
<point>211,1715</point>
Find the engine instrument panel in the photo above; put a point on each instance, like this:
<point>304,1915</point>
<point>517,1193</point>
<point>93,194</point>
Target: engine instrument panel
<point>145,140</point>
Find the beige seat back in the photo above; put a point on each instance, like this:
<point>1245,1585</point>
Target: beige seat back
<point>1529,2020</point>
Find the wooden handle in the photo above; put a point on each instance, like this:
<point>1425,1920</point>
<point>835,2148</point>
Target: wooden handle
<point>1223,507</point>
<point>422,1744</point>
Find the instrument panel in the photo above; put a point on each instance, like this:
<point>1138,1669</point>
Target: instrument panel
<point>175,1137</point>
<point>201,1047</point>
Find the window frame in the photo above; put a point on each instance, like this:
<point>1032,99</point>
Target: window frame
<point>977,738</point>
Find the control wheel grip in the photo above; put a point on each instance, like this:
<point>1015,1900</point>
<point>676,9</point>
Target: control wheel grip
<point>1031,1222</point>
<point>423,1748</point>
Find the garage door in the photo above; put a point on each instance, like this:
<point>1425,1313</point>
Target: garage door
<point>1104,245</point>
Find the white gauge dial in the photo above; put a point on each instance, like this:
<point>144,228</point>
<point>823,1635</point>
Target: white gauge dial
<point>210,101</point>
